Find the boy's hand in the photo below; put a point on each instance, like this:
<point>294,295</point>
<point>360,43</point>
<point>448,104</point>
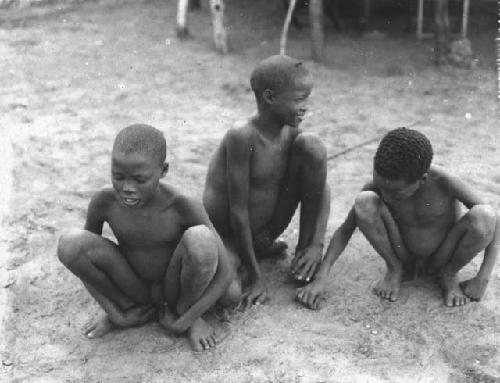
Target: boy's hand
<point>474,288</point>
<point>306,261</point>
<point>134,316</point>
<point>311,295</point>
<point>171,322</point>
<point>255,294</point>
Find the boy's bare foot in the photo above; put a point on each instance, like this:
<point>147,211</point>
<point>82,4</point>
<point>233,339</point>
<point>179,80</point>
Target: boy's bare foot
<point>453,295</point>
<point>98,328</point>
<point>201,335</point>
<point>388,288</point>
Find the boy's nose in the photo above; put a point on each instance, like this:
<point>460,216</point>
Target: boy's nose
<point>128,188</point>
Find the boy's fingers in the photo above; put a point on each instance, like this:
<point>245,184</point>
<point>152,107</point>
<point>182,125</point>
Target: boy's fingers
<point>299,270</point>
<point>312,271</point>
<point>297,258</point>
<point>294,265</point>
<point>304,272</point>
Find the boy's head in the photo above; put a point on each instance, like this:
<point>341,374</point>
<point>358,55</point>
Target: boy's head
<point>282,85</point>
<point>401,163</point>
<point>138,163</point>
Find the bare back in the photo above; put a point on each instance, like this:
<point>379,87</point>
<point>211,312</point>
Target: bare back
<point>267,166</point>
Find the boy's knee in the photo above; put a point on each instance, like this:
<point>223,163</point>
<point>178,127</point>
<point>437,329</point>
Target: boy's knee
<point>367,205</point>
<point>482,219</point>
<point>310,145</point>
<point>200,245</point>
<point>70,246</point>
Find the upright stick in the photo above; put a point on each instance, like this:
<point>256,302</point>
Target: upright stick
<point>286,25</point>
<point>317,37</point>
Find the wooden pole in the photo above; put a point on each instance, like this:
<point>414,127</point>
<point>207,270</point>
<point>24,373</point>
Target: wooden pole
<point>465,18</point>
<point>220,33</point>
<point>182,8</point>
<point>317,37</point>
<point>420,20</point>
<point>286,26</point>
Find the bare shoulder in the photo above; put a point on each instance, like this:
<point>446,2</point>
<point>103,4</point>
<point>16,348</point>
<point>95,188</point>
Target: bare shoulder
<point>99,208</point>
<point>103,199</point>
<point>189,209</point>
<point>239,135</point>
<point>454,187</point>
<point>173,198</point>
<point>441,178</point>
<point>369,186</point>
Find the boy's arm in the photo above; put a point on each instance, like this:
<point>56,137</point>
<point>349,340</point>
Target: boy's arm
<point>95,212</point>
<point>310,295</point>
<point>238,172</point>
<point>193,213</point>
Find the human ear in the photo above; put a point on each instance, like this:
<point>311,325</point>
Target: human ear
<point>164,169</point>
<point>268,96</point>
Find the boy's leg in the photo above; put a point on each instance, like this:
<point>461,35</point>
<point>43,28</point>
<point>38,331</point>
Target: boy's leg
<point>471,234</point>
<point>305,182</point>
<point>108,277</point>
<point>191,269</point>
<point>380,229</point>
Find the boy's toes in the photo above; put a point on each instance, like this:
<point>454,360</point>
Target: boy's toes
<point>197,346</point>
<point>205,343</point>
<point>99,328</point>
<point>211,341</point>
<point>452,300</point>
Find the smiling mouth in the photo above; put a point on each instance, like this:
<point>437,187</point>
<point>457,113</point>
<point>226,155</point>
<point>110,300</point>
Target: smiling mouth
<point>130,201</point>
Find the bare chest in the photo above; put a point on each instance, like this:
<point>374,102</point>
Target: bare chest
<point>268,162</point>
<point>135,230</point>
<point>425,212</point>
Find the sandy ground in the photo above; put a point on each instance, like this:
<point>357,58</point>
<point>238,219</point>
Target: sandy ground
<point>71,80</point>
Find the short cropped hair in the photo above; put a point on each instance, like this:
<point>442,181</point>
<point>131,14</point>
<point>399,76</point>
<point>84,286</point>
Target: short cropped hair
<point>403,154</point>
<point>276,73</point>
<point>143,139</point>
